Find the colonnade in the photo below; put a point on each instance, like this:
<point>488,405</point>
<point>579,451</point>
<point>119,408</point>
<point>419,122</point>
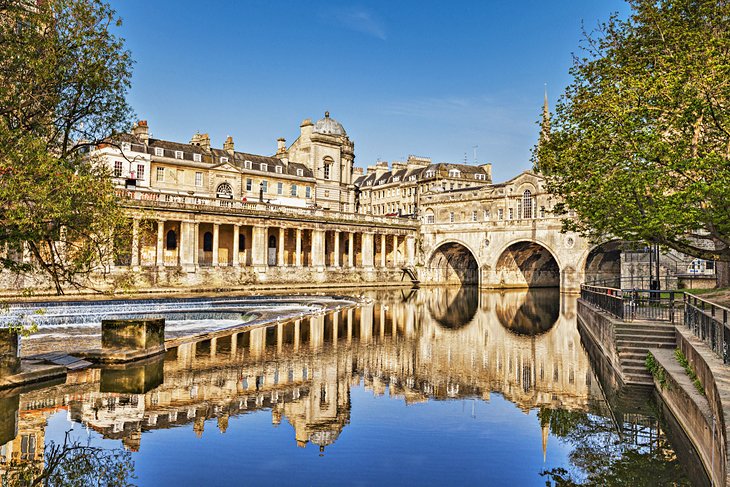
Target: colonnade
<point>192,244</point>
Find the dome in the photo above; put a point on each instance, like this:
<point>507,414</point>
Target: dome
<point>329,126</point>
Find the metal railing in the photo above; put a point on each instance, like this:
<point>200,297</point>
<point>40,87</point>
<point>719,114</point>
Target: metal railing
<point>633,304</point>
<point>708,322</point>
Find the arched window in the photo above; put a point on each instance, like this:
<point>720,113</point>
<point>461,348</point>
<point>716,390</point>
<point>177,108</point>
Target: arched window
<point>207,242</point>
<point>224,190</point>
<point>327,168</point>
<point>272,242</point>
<point>171,240</point>
<point>241,243</point>
<point>527,204</point>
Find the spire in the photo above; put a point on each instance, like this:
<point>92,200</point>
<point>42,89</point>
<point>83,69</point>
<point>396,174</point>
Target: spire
<point>545,131</point>
<point>545,434</point>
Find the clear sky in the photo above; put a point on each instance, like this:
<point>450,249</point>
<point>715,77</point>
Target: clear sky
<point>431,78</point>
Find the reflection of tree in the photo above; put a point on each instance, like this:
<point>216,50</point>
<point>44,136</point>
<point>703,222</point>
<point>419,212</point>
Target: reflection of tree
<point>605,458</point>
<point>73,464</point>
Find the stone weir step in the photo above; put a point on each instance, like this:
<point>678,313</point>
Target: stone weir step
<point>633,341</point>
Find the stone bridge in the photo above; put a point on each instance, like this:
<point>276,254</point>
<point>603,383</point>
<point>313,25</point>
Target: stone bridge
<point>505,236</point>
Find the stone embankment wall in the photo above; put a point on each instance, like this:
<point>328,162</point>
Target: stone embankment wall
<point>601,328</point>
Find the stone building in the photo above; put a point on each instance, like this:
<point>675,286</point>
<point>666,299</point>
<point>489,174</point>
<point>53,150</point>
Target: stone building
<point>398,189</point>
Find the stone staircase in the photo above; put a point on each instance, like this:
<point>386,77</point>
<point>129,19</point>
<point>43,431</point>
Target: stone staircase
<point>633,341</point>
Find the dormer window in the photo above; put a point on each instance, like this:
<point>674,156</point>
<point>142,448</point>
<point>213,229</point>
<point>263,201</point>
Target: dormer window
<point>197,158</point>
<point>178,154</point>
<point>429,174</point>
<point>264,167</point>
<point>247,164</point>
<point>300,172</point>
<point>159,151</point>
<point>224,159</point>
<point>454,173</point>
<point>126,147</point>
<point>278,169</point>
<point>396,179</point>
<point>481,177</point>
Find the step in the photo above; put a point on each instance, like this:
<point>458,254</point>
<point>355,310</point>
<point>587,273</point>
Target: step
<point>644,338</point>
<point>636,371</point>
<point>659,333</point>
<point>643,328</point>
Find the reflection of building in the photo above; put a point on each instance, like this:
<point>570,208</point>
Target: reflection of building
<point>302,370</point>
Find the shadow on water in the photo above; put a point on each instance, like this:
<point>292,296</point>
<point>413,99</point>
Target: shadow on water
<point>454,307</point>
<point>529,312</point>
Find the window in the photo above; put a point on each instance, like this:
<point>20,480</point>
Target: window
<point>527,204</point>
<point>265,186</point>
<point>117,169</point>
<point>500,214</point>
<point>249,184</point>
<point>327,169</point>
<point>473,216</point>
<point>140,171</point>
<point>171,240</point>
<point>511,213</point>
<point>429,174</point>
<point>308,191</point>
<point>396,179</point>
<point>224,190</point>
<point>486,215</point>
<point>279,187</point>
<point>126,147</point>
<point>300,172</point>
<point>197,158</point>
<point>198,179</point>
<point>542,212</point>
<point>159,151</point>
<point>161,174</point>
<point>224,159</point>
<point>263,167</point>
<point>178,154</point>
<point>481,177</point>
<point>247,164</point>
<point>451,217</point>
<point>208,242</point>
<point>278,169</point>
<point>454,173</point>
<point>241,242</point>
<point>293,189</point>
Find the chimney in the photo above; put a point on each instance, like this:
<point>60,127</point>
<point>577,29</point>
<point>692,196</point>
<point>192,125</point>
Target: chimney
<point>306,128</point>
<point>357,171</point>
<point>228,144</point>
<point>142,131</point>
<point>201,140</point>
<point>280,145</point>
<point>371,169</point>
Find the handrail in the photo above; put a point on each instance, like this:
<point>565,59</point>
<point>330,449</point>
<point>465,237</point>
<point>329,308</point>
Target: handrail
<point>709,322</point>
<point>632,304</point>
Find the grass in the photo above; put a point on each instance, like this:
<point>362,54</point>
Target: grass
<point>657,371</point>
<point>690,371</point>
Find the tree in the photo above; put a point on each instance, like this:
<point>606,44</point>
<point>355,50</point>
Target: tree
<point>639,145</point>
<point>64,76</point>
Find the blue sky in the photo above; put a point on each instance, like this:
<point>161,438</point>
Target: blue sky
<point>428,78</point>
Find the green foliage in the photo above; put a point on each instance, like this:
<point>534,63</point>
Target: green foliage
<point>57,208</point>
<point>656,370</point>
<point>690,371</point>
<point>639,145</point>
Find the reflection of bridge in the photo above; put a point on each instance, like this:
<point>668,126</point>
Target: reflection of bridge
<point>302,370</point>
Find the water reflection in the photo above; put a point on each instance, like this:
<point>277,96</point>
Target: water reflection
<point>430,344</point>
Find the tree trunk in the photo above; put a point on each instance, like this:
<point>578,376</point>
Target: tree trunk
<point>722,270</point>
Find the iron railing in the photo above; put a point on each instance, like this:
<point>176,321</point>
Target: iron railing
<point>633,304</point>
<point>708,322</point>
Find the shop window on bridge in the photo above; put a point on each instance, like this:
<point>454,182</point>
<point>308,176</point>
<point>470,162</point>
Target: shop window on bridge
<point>527,204</point>
<point>208,242</point>
<point>241,243</point>
<point>224,190</point>
<point>171,240</point>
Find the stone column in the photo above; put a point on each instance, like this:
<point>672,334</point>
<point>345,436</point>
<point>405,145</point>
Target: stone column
<point>383,248</point>
<point>135,242</point>
<point>410,251</point>
<point>280,257</point>
<point>351,250</point>
<point>236,238</point>
<point>367,250</point>
<point>187,245</point>
<point>318,248</point>
<point>298,249</point>
<point>258,246</point>
<point>336,260</point>
<point>160,243</point>
<point>216,231</point>
<point>196,244</point>
<point>395,251</point>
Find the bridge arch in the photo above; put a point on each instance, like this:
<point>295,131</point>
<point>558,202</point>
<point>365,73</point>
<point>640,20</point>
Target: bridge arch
<point>453,262</point>
<point>527,263</point>
<point>602,263</point>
